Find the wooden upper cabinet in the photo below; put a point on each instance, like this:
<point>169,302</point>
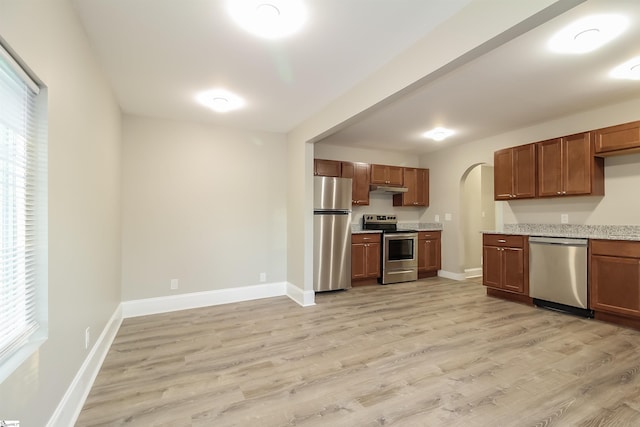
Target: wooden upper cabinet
<point>360,175</point>
<point>515,172</point>
<point>417,182</point>
<point>386,175</point>
<point>620,139</point>
<point>567,167</point>
<point>323,167</point>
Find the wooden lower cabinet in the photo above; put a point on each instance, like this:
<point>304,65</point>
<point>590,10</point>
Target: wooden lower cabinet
<point>365,258</point>
<point>614,292</point>
<point>505,269</point>
<point>429,250</point>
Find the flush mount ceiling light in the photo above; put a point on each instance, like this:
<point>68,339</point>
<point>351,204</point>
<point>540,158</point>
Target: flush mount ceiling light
<point>588,34</point>
<point>438,134</point>
<point>629,70</point>
<point>270,19</point>
<point>220,100</point>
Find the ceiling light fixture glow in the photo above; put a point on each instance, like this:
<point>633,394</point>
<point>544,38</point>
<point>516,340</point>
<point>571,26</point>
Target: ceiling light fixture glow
<point>438,134</point>
<point>588,34</point>
<point>269,19</point>
<point>220,100</point>
<point>629,70</point>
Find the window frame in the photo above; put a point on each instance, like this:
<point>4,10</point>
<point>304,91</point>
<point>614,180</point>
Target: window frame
<point>33,221</point>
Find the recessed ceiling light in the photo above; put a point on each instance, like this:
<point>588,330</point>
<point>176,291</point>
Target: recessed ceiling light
<point>587,34</point>
<point>220,100</point>
<point>628,70</point>
<point>438,134</point>
<point>269,18</point>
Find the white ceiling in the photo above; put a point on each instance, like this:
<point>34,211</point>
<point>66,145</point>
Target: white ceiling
<point>158,54</point>
<point>518,84</point>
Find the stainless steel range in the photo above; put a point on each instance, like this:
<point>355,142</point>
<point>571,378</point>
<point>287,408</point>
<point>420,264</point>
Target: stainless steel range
<point>399,248</point>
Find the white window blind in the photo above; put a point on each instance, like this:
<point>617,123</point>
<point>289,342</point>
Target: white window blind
<point>20,162</point>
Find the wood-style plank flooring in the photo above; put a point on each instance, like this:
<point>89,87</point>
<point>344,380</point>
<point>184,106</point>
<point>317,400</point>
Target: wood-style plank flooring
<point>429,353</point>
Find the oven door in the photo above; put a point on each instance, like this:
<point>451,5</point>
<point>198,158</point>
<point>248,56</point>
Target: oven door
<point>400,260</point>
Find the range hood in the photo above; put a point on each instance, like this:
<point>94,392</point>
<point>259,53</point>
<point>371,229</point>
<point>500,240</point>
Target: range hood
<point>387,189</point>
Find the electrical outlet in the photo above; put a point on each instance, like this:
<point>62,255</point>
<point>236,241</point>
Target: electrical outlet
<point>87,338</point>
<point>447,217</point>
<point>437,218</point>
<point>263,277</point>
<point>564,218</point>
<point>174,284</point>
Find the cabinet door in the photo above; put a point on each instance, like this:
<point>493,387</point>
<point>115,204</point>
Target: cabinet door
<point>326,167</point>
<point>422,188</point>
<point>615,284</point>
<point>429,255</point>
<point>550,165</point>
<point>503,174</point>
<point>524,171</point>
<point>359,173</point>
<point>358,261</point>
<point>410,178</point>
<point>492,266</point>
<point>386,175</point>
<point>373,260</point>
<point>379,174</point>
<point>617,138</point>
<point>577,161</point>
<point>513,268</point>
<point>395,175</point>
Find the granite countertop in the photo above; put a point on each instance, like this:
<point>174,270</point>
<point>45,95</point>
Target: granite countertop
<point>606,232</point>
<point>420,226</point>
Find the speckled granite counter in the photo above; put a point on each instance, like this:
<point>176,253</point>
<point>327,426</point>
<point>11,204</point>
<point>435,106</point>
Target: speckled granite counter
<point>608,232</point>
<point>420,226</point>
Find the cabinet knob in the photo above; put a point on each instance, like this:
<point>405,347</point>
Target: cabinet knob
<point>559,192</point>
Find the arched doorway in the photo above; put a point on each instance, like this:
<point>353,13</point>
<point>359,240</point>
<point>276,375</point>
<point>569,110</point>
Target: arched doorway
<point>477,214</point>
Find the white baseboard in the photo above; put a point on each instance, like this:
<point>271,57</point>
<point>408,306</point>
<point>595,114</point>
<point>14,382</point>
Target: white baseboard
<point>73,400</point>
<point>472,272</point>
<point>450,275</point>
<point>143,307</point>
<point>304,298</point>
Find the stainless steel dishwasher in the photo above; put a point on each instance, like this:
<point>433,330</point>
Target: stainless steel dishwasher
<point>558,274</point>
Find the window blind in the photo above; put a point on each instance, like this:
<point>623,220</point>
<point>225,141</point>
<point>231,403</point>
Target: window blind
<point>18,207</point>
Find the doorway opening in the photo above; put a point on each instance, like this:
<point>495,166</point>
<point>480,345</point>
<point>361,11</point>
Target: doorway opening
<point>477,214</point>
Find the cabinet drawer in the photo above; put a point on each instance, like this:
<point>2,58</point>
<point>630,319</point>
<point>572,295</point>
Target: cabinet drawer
<point>617,248</point>
<point>511,240</point>
<point>365,238</point>
<point>429,235</point>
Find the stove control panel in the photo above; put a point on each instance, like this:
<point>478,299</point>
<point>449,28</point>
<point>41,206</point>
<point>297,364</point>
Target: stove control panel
<point>380,219</point>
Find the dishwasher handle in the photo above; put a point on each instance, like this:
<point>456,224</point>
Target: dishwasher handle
<point>564,241</point>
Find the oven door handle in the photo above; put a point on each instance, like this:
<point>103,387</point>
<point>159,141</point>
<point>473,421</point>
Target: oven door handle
<point>399,271</point>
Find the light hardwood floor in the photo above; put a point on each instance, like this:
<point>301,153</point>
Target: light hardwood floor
<point>428,353</point>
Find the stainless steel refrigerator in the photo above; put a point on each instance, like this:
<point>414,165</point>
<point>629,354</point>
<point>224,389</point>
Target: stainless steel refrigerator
<point>331,233</point>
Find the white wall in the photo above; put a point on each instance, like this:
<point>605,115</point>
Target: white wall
<point>84,201</point>
<point>467,37</point>
<point>201,204</point>
<point>619,206</point>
